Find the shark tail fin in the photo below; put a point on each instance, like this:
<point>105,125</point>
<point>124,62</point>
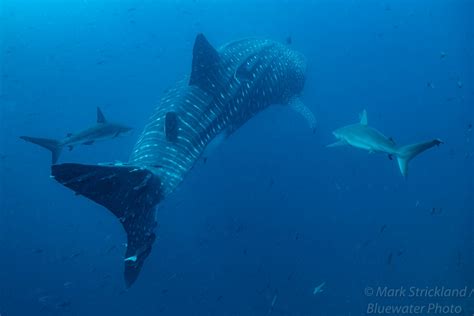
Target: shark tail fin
<point>130,193</point>
<point>51,144</point>
<point>408,152</point>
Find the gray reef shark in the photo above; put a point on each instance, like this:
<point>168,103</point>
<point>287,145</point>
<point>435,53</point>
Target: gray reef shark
<point>226,87</point>
<point>362,136</point>
<point>100,131</point>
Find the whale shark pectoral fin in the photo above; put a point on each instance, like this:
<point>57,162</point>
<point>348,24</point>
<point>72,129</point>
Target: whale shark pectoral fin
<point>304,111</point>
<point>337,144</point>
<point>130,193</point>
<point>212,146</point>
<point>171,126</point>
<point>204,64</point>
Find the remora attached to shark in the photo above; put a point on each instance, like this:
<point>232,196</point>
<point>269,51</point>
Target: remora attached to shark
<point>362,136</point>
<point>100,131</point>
<point>225,89</point>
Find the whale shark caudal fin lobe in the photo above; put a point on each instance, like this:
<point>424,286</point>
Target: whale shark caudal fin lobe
<point>300,108</point>
<point>130,193</point>
<point>408,152</point>
<point>205,63</point>
<point>51,144</point>
<point>100,116</point>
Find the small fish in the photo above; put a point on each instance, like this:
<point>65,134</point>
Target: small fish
<point>442,55</point>
<point>289,40</point>
<point>436,211</point>
<point>319,288</point>
<point>460,84</point>
<point>273,303</point>
<point>383,228</point>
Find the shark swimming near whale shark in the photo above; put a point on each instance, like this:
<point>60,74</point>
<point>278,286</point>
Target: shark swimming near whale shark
<point>226,88</point>
<point>102,130</point>
<point>361,135</point>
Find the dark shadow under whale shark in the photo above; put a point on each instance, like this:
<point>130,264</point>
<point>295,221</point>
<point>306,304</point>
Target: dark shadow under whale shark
<point>225,89</point>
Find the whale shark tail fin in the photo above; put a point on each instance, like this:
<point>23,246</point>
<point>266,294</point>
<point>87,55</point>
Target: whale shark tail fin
<point>130,193</point>
<point>51,144</point>
<point>408,152</point>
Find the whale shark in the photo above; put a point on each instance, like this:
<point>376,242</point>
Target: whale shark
<point>362,136</point>
<point>102,130</point>
<point>226,87</point>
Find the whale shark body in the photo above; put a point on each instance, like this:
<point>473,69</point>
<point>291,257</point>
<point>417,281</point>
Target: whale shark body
<point>362,136</point>
<point>225,89</point>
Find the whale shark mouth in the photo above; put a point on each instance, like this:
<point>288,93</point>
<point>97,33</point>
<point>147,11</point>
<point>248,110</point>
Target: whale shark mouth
<point>130,193</point>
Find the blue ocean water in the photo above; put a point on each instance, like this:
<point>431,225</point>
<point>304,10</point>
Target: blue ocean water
<point>273,213</point>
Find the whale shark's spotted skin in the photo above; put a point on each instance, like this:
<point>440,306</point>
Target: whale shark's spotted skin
<point>225,89</point>
<point>251,75</point>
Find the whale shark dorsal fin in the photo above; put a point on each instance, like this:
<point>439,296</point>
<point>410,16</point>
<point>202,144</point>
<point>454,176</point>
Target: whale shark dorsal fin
<point>205,61</point>
<point>100,116</point>
<point>363,117</point>
<point>300,108</point>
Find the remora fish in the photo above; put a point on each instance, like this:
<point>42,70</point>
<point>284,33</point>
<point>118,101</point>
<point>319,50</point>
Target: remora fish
<point>100,131</point>
<point>226,88</point>
<point>362,136</point>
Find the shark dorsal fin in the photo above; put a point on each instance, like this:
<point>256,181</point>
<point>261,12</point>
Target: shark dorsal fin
<point>363,117</point>
<point>100,116</point>
<point>205,61</point>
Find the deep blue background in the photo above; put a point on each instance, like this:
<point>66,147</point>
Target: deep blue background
<point>273,211</point>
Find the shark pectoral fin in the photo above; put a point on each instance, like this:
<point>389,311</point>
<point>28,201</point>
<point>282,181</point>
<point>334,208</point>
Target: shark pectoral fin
<point>304,111</point>
<point>204,64</point>
<point>130,193</point>
<point>363,117</point>
<point>100,116</point>
<point>171,126</point>
<point>90,142</point>
<point>337,144</point>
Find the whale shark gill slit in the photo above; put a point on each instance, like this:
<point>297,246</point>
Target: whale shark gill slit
<point>129,192</point>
